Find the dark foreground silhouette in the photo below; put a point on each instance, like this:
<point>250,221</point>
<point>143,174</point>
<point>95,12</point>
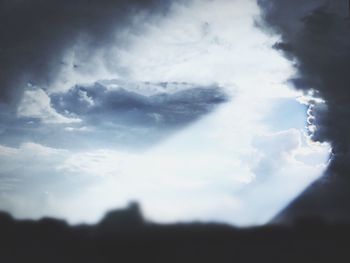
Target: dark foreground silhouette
<point>123,236</point>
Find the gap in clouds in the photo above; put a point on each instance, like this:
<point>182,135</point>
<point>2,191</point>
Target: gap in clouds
<point>220,168</point>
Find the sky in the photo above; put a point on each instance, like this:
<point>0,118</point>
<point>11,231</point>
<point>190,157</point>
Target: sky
<point>188,107</point>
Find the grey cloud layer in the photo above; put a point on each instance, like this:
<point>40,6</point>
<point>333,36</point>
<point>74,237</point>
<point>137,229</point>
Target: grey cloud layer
<point>117,117</point>
<point>98,105</point>
<point>35,35</point>
<point>316,35</point>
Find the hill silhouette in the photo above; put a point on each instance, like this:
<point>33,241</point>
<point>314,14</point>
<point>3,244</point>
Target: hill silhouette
<point>124,236</point>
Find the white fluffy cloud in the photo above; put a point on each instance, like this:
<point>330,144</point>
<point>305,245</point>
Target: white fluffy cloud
<point>35,103</point>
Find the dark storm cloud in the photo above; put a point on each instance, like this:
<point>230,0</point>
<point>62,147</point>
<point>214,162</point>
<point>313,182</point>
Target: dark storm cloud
<point>35,34</point>
<point>320,43</point>
<point>316,36</point>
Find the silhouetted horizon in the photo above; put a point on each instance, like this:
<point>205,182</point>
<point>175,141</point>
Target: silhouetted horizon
<point>124,234</point>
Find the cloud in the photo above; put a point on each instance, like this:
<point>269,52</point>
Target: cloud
<point>315,36</point>
<point>42,39</point>
<point>37,104</point>
<point>320,47</point>
<point>275,149</point>
<point>198,46</point>
<point>101,116</point>
<point>287,148</point>
<point>97,105</point>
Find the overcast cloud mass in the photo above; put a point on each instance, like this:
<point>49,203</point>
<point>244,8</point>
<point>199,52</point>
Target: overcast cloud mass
<point>315,36</point>
<point>182,106</point>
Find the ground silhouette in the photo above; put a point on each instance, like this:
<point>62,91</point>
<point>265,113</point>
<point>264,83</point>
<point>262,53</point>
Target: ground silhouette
<point>124,236</point>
